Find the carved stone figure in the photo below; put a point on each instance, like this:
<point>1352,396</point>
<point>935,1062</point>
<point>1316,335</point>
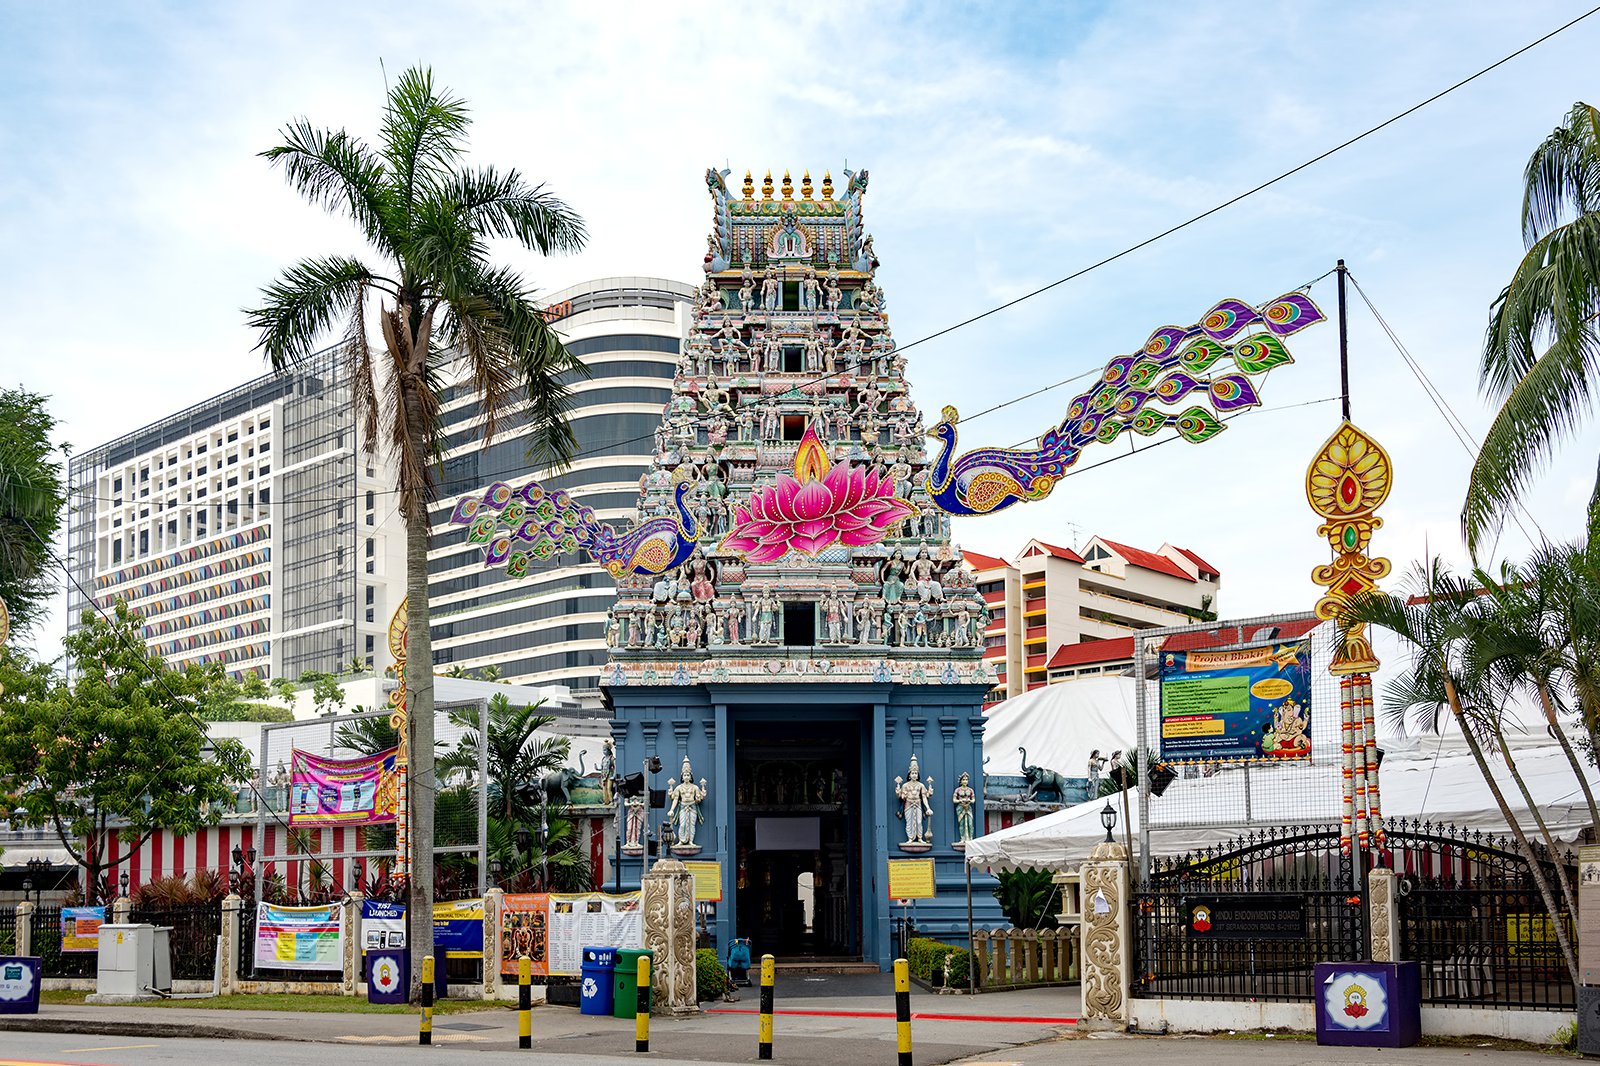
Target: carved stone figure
<point>736,613</point>
<point>771,292</point>
<point>809,290</point>
<point>1040,779</point>
<point>965,799</point>
<point>686,797</point>
<point>894,577</point>
<point>747,291</point>
<point>766,607</point>
<point>1097,769</point>
<point>914,794</point>
<point>608,770</point>
<point>923,578</point>
<point>833,295</point>
<point>633,840</point>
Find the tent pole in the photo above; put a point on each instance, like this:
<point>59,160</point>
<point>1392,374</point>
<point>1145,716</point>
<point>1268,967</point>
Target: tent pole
<point>1141,743</point>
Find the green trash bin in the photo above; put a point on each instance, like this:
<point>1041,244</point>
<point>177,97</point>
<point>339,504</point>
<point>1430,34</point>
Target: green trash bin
<point>625,996</point>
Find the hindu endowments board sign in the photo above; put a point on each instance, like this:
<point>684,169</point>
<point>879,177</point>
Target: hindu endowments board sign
<point>80,928</point>
<point>552,930</point>
<point>298,938</point>
<point>361,791</point>
<point>1247,703</point>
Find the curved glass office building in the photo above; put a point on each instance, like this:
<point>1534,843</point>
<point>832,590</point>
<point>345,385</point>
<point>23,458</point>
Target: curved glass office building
<point>548,627</point>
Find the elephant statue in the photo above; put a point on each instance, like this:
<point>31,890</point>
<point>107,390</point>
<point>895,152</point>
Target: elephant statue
<point>557,786</point>
<point>1040,779</point>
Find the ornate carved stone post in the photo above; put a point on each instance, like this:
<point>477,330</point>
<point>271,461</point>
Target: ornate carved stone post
<point>1107,938</point>
<point>232,908</point>
<point>1383,915</point>
<point>667,892</point>
<point>121,910</point>
<point>350,928</point>
<point>493,905</point>
<point>25,928</point>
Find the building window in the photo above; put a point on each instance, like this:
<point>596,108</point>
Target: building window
<point>370,549</point>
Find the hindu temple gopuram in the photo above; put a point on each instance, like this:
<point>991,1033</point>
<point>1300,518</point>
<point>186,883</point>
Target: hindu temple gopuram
<point>806,666</point>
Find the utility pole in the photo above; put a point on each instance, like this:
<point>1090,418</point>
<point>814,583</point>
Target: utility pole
<point>1344,346</point>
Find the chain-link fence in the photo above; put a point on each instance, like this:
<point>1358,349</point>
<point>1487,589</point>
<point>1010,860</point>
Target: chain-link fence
<point>319,863</point>
<point>1239,792</point>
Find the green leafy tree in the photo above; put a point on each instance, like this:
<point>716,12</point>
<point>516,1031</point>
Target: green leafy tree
<point>444,312</point>
<point>516,755</point>
<point>1434,616</point>
<point>31,498</point>
<point>327,695</point>
<point>1541,356</point>
<point>117,745</point>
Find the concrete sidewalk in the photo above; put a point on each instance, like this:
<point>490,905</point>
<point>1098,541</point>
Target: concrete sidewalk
<point>820,1030</point>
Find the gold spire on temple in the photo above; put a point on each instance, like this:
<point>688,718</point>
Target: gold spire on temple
<point>805,186</point>
<point>788,186</point>
<point>766,187</point>
<point>749,187</point>
<point>827,185</point>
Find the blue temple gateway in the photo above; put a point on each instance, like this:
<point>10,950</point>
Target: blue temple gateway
<point>802,650</point>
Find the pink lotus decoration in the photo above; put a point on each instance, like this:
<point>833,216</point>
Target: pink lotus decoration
<point>820,505</point>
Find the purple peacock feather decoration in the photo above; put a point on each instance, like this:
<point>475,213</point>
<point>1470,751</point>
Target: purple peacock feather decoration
<point>1177,363</point>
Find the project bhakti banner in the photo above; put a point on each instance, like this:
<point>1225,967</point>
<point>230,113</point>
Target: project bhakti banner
<point>1244,703</point>
<point>360,791</point>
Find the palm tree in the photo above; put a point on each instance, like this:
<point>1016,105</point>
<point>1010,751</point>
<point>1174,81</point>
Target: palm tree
<point>516,754</point>
<point>1435,621</point>
<point>444,311</point>
<point>1551,300</point>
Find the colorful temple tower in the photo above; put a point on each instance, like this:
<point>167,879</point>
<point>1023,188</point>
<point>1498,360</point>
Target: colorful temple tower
<point>809,675</point>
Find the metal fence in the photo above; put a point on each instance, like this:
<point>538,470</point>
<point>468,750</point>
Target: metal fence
<point>246,957</point>
<point>53,962</point>
<point>193,937</point>
<point>1471,913</point>
<point>1249,919</point>
<point>8,930</point>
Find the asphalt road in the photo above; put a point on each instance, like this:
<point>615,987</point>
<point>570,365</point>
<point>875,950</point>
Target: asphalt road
<point>55,1049</point>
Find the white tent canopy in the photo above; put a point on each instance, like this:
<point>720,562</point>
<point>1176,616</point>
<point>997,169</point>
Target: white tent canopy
<point>1433,778</point>
<point>1061,724</point>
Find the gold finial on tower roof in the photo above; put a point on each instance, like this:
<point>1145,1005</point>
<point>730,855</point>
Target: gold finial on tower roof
<point>788,186</point>
<point>805,185</point>
<point>766,187</point>
<point>749,187</point>
<point>827,185</point>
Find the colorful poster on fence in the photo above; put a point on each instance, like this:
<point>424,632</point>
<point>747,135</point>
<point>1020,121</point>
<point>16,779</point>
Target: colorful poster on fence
<point>458,928</point>
<point>80,928</point>
<point>592,919</point>
<point>383,925</point>
<point>1247,703</point>
<point>361,791</point>
<point>525,930</point>
<point>298,938</point>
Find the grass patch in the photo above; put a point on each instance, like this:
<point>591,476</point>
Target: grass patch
<point>313,1003</point>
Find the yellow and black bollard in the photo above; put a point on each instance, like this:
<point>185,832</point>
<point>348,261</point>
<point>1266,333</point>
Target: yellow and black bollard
<point>425,1034</point>
<point>902,1009</point>
<point>524,1002</point>
<point>767,973</point>
<point>641,1017</point>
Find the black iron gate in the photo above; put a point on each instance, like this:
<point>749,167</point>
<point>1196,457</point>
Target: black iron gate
<point>1248,919</point>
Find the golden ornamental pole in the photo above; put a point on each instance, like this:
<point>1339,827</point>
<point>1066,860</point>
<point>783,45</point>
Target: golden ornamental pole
<point>397,719</point>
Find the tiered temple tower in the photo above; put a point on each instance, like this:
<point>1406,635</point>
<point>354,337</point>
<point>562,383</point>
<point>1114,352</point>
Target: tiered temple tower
<point>816,660</point>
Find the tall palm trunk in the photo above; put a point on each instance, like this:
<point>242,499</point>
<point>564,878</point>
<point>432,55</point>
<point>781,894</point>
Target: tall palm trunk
<point>1567,894</point>
<point>1557,917</point>
<point>422,778</point>
<point>1572,756</point>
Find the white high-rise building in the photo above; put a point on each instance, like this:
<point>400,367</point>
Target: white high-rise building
<point>548,627</point>
<point>246,529</point>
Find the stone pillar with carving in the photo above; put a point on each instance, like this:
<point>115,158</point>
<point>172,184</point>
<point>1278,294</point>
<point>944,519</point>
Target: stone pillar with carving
<point>25,928</point>
<point>668,900</point>
<point>350,929</point>
<point>121,910</point>
<point>493,905</point>
<point>1107,962</point>
<point>232,911</point>
<point>1383,915</point>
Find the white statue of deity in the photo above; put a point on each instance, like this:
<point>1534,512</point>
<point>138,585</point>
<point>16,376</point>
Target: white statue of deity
<point>684,811</point>
<point>914,793</point>
<point>965,798</point>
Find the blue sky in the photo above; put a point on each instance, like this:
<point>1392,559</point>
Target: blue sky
<point>1008,146</point>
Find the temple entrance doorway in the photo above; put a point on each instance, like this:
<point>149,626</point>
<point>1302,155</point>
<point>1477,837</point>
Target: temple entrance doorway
<point>798,838</point>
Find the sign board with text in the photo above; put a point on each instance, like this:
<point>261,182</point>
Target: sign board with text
<point>1246,916</point>
<point>911,879</point>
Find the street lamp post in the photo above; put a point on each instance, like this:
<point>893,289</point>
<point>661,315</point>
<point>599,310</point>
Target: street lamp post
<point>1108,818</point>
<point>652,765</point>
<point>27,888</point>
<point>122,882</point>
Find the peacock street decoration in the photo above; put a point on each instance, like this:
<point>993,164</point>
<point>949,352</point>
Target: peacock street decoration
<point>821,503</point>
<point>1172,366</point>
<point>520,525</point>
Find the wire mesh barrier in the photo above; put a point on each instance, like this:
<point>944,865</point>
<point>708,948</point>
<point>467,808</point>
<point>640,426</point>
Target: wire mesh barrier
<point>316,863</point>
<point>53,962</point>
<point>1472,914</point>
<point>193,937</point>
<point>1249,919</point>
<point>1299,788</point>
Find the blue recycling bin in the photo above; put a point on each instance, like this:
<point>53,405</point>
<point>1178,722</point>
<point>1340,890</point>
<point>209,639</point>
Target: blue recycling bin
<point>595,987</point>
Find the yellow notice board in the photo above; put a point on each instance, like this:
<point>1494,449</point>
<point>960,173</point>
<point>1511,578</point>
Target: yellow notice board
<point>911,879</point>
<point>707,881</point>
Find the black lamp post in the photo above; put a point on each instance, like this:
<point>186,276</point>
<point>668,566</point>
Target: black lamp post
<point>27,889</point>
<point>357,875</point>
<point>495,867</point>
<point>1108,818</point>
<point>122,882</point>
<point>668,837</point>
<point>524,837</point>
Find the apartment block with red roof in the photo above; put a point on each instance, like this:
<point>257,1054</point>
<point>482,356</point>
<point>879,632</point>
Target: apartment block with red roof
<point>1053,604</point>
